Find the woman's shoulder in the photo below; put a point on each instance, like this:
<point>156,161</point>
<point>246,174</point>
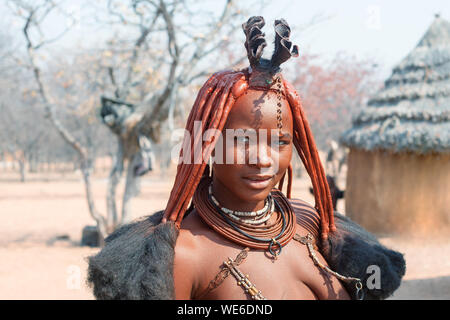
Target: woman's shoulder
<point>189,243</point>
<point>143,249</point>
<point>197,237</point>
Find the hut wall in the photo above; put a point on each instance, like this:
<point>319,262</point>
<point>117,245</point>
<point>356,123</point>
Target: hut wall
<point>398,193</point>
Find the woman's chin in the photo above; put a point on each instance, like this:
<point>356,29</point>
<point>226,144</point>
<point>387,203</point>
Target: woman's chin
<point>255,195</point>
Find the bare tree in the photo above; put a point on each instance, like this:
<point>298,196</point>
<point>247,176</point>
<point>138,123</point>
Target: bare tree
<point>18,137</point>
<point>33,15</point>
<point>139,105</point>
<point>174,44</point>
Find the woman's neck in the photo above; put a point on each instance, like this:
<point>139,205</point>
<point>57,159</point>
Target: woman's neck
<point>232,201</point>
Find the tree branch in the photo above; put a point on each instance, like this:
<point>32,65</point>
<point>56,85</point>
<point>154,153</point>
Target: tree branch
<point>61,129</point>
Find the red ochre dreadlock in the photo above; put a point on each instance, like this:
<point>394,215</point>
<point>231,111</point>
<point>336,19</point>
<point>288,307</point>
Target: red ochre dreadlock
<point>212,107</point>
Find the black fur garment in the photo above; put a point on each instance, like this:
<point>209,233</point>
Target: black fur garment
<point>351,250</point>
<point>137,260</point>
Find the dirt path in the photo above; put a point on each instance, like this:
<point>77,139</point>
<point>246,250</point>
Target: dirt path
<point>427,267</point>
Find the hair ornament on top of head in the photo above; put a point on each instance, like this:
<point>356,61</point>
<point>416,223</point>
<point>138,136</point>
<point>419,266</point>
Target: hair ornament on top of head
<point>264,72</point>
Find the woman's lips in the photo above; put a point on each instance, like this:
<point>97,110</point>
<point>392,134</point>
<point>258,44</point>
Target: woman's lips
<point>258,181</point>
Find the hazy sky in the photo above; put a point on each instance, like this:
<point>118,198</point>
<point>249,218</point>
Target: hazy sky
<point>385,30</point>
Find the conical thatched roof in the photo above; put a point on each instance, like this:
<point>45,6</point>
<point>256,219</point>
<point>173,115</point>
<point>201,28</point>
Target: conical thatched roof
<point>412,111</point>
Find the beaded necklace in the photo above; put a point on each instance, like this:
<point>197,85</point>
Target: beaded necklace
<point>260,216</point>
<point>272,237</point>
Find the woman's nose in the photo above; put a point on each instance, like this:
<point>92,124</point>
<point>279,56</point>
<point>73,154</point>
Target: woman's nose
<point>263,158</point>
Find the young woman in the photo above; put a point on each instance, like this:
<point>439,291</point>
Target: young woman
<point>228,231</point>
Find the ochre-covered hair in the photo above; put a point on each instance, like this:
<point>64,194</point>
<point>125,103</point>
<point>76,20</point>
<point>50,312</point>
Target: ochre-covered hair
<point>213,105</point>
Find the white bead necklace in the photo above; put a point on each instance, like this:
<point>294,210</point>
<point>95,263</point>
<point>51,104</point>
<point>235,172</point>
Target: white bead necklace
<point>260,216</point>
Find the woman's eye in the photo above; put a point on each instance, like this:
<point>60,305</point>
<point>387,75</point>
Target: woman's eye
<point>242,139</point>
<point>283,142</point>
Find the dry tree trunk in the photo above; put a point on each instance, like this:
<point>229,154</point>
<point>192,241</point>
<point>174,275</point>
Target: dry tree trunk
<point>113,181</point>
<point>132,189</point>
<point>21,162</point>
<point>99,219</point>
<point>64,133</point>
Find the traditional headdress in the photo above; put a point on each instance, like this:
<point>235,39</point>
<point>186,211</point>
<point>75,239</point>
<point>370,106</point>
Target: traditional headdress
<point>213,104</point>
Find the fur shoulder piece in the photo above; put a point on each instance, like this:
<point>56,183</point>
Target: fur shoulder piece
<point>136,262</point>
<point>354,252</point>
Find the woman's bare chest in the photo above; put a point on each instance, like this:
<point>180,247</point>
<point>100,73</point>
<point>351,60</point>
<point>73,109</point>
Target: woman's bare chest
<point>233,273</point>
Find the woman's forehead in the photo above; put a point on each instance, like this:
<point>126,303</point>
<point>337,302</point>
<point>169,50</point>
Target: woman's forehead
<point>258,109</point>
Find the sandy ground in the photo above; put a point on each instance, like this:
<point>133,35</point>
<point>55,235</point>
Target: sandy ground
<point>34,264</point>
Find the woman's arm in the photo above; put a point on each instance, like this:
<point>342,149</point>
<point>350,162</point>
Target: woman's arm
<point>185,263</point>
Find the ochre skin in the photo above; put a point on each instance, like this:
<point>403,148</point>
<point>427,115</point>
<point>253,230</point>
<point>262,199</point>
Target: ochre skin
<point>200,251</point>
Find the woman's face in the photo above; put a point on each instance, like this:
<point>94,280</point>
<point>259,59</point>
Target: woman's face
<point>255,157</point>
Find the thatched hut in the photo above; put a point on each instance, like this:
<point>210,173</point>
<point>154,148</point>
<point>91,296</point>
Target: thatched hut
<point>398,178</point>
